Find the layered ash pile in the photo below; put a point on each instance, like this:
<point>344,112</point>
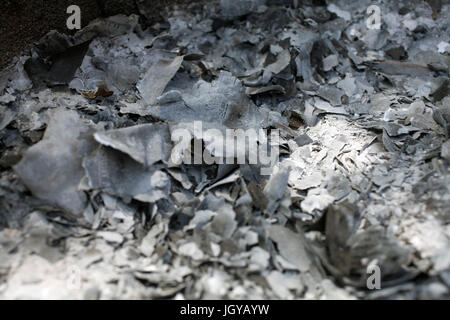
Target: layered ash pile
<point>95,205</point>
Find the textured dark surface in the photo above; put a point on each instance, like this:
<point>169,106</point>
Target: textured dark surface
<point>23,22</point>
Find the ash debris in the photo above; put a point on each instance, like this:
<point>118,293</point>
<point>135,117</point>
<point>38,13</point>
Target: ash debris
<point>93,204</point>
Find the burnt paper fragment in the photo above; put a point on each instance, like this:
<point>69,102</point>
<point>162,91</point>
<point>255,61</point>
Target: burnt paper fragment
<point>146,143</point>
<point>61,67</point>
<point>52,169</point>
<point>118,174</point>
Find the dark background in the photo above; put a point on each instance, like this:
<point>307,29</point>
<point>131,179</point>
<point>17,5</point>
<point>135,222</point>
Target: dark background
<point>23,22</point>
